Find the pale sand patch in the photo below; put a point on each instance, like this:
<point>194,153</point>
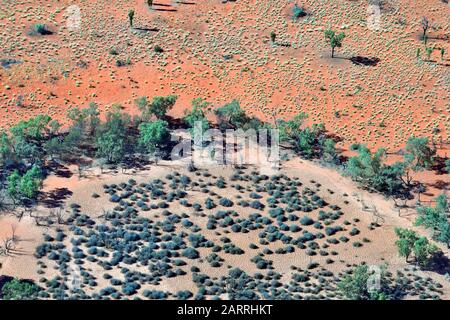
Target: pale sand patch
<point>380,250</point>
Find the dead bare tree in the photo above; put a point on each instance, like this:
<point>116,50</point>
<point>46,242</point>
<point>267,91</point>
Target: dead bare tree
<point>13,233</point>
<point>364,207</point>
<point>41,221</point>
<point>7,246</point>
<point>376,216</point>
<point>58,215</point>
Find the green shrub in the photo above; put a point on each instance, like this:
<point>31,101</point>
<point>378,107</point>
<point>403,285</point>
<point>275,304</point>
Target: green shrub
<point>19,290</point>
<point>39,29</point>
<point>306,221</point>
<point>298,12</point>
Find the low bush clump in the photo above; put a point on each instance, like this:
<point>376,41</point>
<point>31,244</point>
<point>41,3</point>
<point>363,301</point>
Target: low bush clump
<point>190,253</point>
<point>306,221</point>
<point>225,202</point>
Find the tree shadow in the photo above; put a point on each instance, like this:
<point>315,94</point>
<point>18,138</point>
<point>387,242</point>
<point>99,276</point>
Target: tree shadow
<point>58,169</point>
<point>4,280</point>
<point>165,10</point>
<point>439,166</point>
<point>440,184</point>
<point>161,4</point>
<point>186,2</point>
<point>55,198</point>
<point>365,61</point>
<point>144,29</point>
<point>7,63</point>
<point>440,265</point>
<point>443,37</point>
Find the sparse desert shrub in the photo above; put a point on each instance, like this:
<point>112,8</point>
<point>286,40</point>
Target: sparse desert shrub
<point>232,249</point>
<point>257,205</point>
<point>155,294</point>
<point>183,295</point>
<point>19,290</point>
<point>306,221</point>
<point>209,204</point>
<point>312,265</point>
<point>130,288</point>
<point>225,202</point>
<point>191,253</point>
<point>39,29</point>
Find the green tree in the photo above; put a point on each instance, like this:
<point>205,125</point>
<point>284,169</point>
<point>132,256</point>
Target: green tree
<point>28,152</point>
<point>77,117</point>
<point>34,129</point>
<point>112,138</point>
<point>6,149</point>
<point>329,153</point>
<point>429,51</point>
<point>436,219</point>
<point>196,116</point>
<point>419,155</point>
<point>20,290</point>
<point>72,141</point>
<point>370,172</point>
<point>131,17</point>
<point>289,130</point>
<point>356,286</point>
<point>87,119</point>
<point>150,3</point>
<point>158,107</point>
<point>231,116</point>
<point>91,115</point>
<point>308,141</point>
<point>405,242</point>
<point>425,253</point>
<point>153,135</point>
<point>447,165</point>
<point>27,137</point>
<point>298,12</point>
<point>273,36</point>
<point>334,39</point>
<point>24,187</point>
<point>364,167</point>
<point>54,147</point>
<point>54,126</point>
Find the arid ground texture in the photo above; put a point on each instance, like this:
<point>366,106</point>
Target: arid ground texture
<point>89,228</point>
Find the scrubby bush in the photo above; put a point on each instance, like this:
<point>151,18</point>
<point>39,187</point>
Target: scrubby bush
<point>130,288</point>
<point>184,295</point>
<point>306,221</point>
<point>225,202</point>
<point>257,205</point>
<point>298,12</point>
<point>191,253</point>
<point>155,294</point>
<point>39,29</point>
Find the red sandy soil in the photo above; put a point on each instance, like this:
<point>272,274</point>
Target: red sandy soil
<point>380,105</point>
